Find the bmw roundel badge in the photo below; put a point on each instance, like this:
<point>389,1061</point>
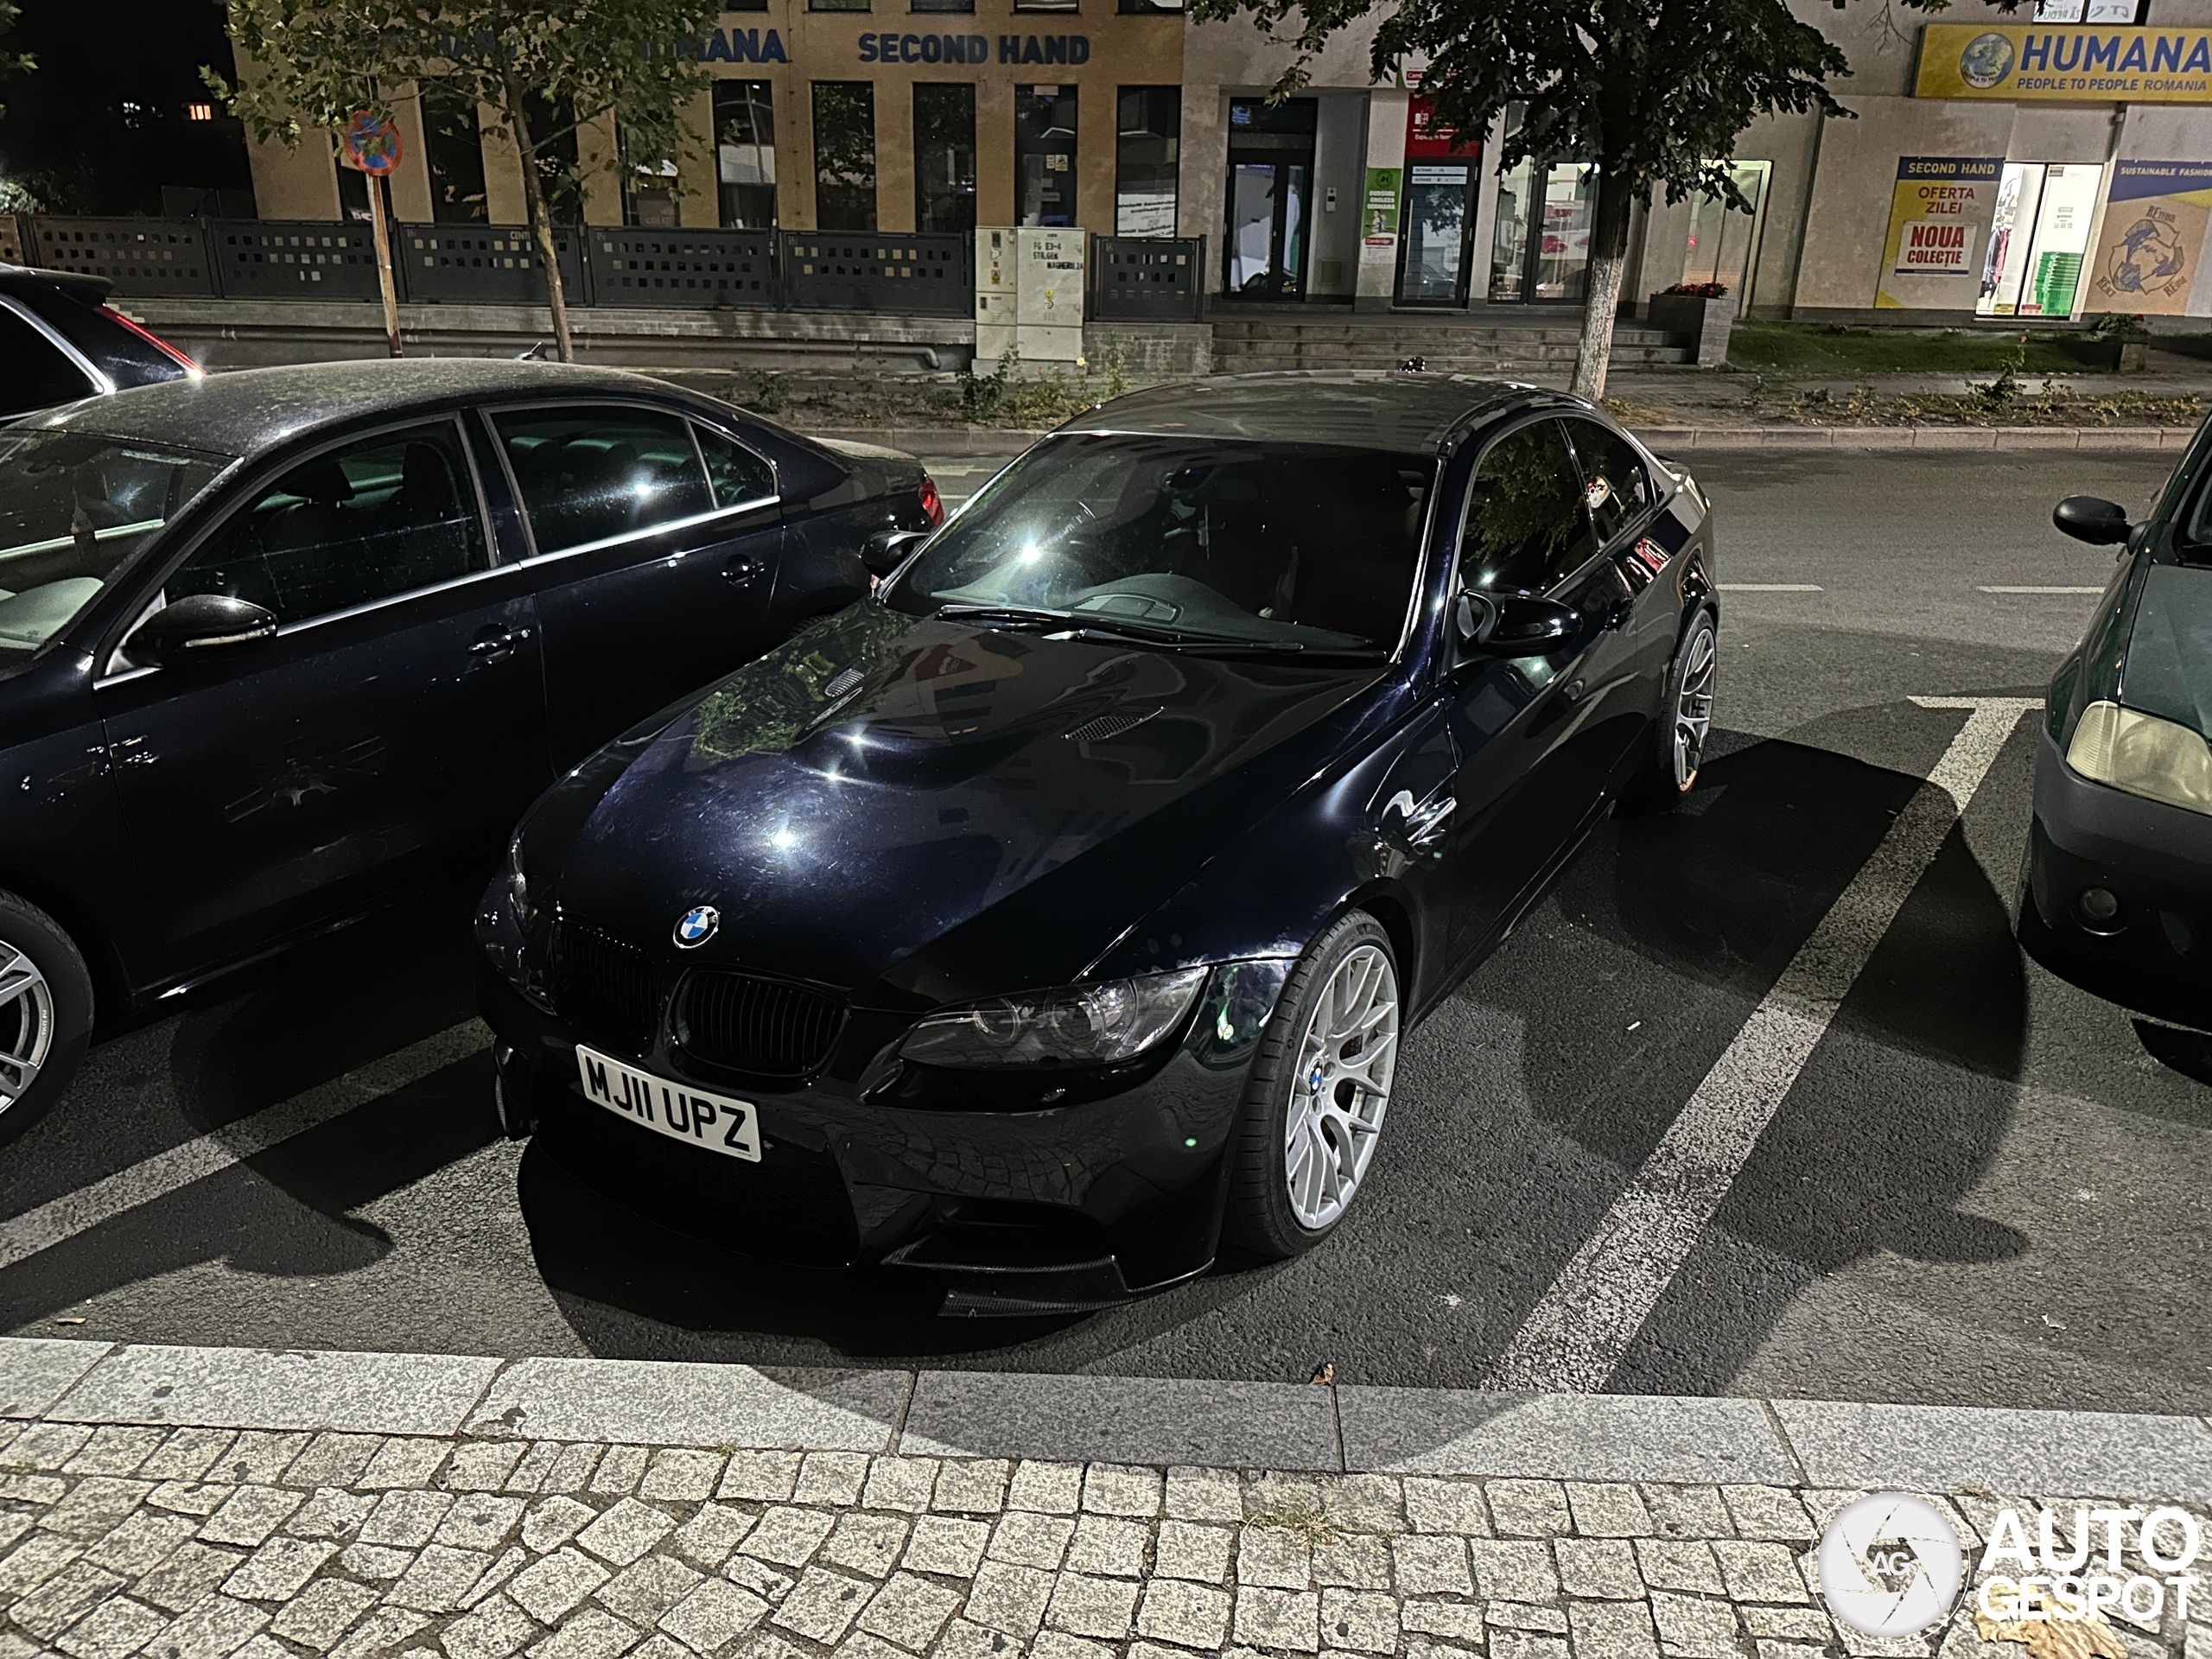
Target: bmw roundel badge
<point>696,926</point>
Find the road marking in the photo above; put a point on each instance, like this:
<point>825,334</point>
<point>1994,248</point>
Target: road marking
<point>1574,1337</point>
<point>1981,589</point>
<point>167,1171</point>
<point>1772,588</point>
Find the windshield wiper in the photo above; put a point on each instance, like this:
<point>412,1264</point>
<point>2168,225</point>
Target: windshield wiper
<point>1093,625</point>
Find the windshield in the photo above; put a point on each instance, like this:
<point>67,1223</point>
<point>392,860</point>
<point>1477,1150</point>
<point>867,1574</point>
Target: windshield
<point>1288,545</point>
<point>74,507</point>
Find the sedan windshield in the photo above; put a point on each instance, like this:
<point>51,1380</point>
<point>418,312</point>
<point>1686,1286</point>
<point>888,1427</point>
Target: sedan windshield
<point>1189,541</point>
<point>74,507</point>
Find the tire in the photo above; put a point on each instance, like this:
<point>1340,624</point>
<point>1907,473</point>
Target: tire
<point>1685,719</point>
<point>45,1013</point>
<point>1282,1200</point>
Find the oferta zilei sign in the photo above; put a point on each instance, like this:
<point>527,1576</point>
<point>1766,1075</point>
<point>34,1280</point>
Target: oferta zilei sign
<point>2028,63</point>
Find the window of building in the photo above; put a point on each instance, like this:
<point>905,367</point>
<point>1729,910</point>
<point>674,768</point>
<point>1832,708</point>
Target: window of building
<point>837,5</point>
<point>454,148</point>
<point>844,155</point>
<point>1153,8</point>
<point>941,5</point>
<point>1046,5</point>
<point>745,153</point>
<point>1043,155</point>
<point>1526,529</point>
<point>1147,144</point>
<point>553,135</point>
<point>649,186</point>
<point>944,155</point>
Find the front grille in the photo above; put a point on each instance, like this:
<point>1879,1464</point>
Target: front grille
<point>767,1027</point>
<point>608,988</point>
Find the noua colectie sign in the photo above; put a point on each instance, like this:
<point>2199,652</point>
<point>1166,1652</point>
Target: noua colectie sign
<point>2032,63</point>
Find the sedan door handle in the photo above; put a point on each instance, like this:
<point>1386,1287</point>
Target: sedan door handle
<point>742,572</point>
<point>497,642</point>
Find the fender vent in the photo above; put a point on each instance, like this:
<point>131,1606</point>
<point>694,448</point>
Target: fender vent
<point>1097,730</point>
<point>842,681</point>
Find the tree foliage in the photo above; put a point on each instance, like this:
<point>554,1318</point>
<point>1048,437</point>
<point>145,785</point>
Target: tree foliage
<point>12,63</point>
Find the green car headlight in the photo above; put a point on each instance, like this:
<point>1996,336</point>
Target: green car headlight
<point>2144,755</point>
<point>1085,1025</point>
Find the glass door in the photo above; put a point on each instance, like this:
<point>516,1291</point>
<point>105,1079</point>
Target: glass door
<point>2052,271</point>
<point>1269,198</point>
<point>1539,243</point>
<point>2019,192</point>
<point>1436,233</point>
<point>1509,245</point>
<point>1723,244</point>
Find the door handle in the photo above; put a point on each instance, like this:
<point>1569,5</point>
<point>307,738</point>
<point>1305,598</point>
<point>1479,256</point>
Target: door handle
<point>742,572</point>
<point>495,642</point>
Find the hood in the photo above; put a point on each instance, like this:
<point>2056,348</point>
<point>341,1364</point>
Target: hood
<point>940,810</point>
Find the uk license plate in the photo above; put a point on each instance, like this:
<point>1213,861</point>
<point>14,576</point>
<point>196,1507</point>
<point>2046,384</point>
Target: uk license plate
<point>715,1122</point>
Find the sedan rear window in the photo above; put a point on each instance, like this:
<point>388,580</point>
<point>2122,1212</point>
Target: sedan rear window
<point>74,508</point>
<point>590,475</point>
<point>1295,543</point>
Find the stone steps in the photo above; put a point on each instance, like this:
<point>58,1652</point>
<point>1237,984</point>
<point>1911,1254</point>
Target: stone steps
<point>1247,344</point>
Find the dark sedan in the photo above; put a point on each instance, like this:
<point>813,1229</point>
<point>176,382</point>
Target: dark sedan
<point>61,340</point>
<point>274,644</point>
<point>1052,918</point>
<point>2117,895</point>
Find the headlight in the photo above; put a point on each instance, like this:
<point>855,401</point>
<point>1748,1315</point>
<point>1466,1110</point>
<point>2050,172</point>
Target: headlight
<point>1088,1024</point>
<point>2144,755</point>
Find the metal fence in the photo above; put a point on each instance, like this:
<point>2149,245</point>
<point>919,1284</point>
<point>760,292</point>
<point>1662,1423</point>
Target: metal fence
<point>1146,279</point>
<point>915,274</point>
<point>272,259</point>
<point>681,268</point>
<point>925,274</point>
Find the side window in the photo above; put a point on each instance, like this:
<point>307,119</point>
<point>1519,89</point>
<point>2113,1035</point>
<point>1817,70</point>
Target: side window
<point>39,376</point>
<point>738,474</point>
<point>384,516</point>
<point>1614,482</point>
<point>590,474</point>
<point>1526,527</point>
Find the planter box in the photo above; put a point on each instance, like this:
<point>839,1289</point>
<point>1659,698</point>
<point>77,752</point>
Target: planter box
<point>1704,323</point>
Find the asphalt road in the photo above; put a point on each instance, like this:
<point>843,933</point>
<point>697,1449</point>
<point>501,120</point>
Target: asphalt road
<point>1979,1188</point>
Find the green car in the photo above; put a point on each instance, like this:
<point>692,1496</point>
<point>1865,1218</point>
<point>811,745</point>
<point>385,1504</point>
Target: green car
<point>2119,882</point>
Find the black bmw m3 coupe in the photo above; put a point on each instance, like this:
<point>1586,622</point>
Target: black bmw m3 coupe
<point>1049,921</point>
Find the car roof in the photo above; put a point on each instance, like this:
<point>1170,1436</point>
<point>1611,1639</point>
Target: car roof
<point>30,279</point>
<point>1404,413</point>
<point>246,411</point>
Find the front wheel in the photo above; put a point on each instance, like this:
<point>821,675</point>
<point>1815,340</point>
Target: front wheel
<point>1314,1105</point>
<point>45,1013</point>
<point>1685,719</point>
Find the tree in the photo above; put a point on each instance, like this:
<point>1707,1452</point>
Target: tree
<point>1652,93</point>
<point>545,68</point>
<point>12,63</point>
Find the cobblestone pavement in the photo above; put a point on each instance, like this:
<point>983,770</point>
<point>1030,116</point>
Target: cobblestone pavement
<point>192,1543</point>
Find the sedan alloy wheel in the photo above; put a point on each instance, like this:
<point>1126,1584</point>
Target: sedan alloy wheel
<point>1693,710</point>
<point>25,1024</point>
<point>1342,1087</point>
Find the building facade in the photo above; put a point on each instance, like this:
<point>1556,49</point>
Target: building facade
<point>2046,165</point>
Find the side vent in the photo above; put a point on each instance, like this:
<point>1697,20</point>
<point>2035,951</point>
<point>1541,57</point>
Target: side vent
<point>1113,724</point>
<point>842,681</point>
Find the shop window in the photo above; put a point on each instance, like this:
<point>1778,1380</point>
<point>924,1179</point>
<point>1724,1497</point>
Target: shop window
<point>944,155</point>
<point>1148,149</point>
<point>1723,243</point>
<point>1540,237</point>
<point>844,155</point>
<point>1043,155</point>
<point>2038,238</point>
<point>453,148</point>
<point>553,136</point>
<point>745,153</point>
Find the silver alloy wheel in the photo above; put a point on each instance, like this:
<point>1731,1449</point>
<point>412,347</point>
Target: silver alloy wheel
<point>26,1023</point>
<point>1694,707</point>
<point>1341,1087</point>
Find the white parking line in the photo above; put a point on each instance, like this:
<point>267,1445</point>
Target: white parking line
<point>1981,589</point>
<point>1772,588</point>
<point>1575,1336</point>
<point>167,1171</point>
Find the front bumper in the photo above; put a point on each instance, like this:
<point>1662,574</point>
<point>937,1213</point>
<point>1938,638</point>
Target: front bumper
<point>2155,954</point>
<point>1016,1211</point>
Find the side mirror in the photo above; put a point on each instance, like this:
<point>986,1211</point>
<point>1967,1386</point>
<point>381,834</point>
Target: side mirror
<point>197,627</point>
<point>886,550</point>
<point>2087,519</point>
<point>1513,627</point>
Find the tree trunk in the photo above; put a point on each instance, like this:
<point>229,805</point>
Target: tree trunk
<point>541,226</point>
<point>1608,259</point>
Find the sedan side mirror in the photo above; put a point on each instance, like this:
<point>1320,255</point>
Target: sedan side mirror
<point>886,550</point>
<point>2087,519</point>
<point>197,627</point>
<point>1513,627</point>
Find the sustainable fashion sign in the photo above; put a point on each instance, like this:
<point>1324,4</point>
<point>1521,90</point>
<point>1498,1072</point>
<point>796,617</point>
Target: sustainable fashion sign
<point>1380,215</point>
<point>1940,213</point>
<point>2149,259</point>
<point>2030,62</point>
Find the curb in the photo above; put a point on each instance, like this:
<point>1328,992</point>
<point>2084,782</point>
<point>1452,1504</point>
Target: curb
<point>1336,1428</point>
<point>1009,441</point>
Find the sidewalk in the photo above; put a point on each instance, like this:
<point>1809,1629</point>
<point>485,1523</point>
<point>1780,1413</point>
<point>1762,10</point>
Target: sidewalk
<point>190,1503</point>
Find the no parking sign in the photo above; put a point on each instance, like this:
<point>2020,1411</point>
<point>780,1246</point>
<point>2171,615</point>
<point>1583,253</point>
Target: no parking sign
<point>371,143</point>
